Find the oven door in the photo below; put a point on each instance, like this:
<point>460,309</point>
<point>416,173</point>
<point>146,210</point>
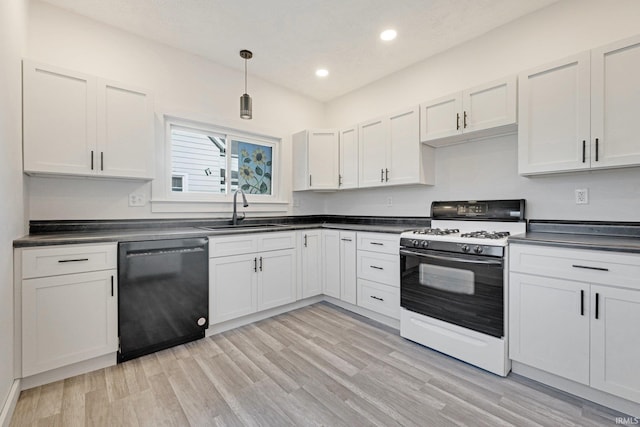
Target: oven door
<point>466,290</point>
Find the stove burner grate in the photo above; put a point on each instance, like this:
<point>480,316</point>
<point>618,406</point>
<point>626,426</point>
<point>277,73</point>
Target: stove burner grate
<point>436,231</point>
<point>486,234</point>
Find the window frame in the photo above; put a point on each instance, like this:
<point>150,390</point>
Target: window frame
<point>166,200</point>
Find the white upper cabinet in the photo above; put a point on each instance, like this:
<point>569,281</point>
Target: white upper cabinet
<point>125,131</point>
<point>581,112</point>
<point>59,128</point>
<point>485,110</point>
<point>348,158</point>
<point>76,124</point>
<point>615,104</point>
<point>315,160</point>
<point>554,129</point>
<point>390,152</point>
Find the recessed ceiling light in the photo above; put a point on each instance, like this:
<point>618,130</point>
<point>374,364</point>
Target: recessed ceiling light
<point>321,72</point>
<point>388,35</point>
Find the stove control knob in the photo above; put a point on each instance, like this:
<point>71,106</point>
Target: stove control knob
<point>465,248</point>
<point>478,249</point>
<point>424,244</point>
<point>415,243</point>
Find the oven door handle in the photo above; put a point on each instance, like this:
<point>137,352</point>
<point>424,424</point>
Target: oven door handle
<point>445,258</point>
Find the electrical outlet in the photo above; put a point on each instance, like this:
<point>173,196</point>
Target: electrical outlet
<point>136,199</point>
<point>389,202</point>
<point>582,196</point>
<point>296,203</point>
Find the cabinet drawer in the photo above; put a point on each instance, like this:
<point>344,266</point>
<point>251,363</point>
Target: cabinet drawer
<point>379,242</point>
<point>381,268</point>
<point>232,245</point>
<point>380,298</point>
<point>604,267</point>
<point>276,241</point>
<point>53,261</point>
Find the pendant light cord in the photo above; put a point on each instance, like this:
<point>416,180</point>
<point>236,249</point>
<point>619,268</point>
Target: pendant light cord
<point>245,75</point>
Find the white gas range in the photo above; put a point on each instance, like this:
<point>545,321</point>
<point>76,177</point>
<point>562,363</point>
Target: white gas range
<point>454,281</point>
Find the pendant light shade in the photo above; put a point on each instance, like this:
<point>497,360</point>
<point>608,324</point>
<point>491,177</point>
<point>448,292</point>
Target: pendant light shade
<point>245,99</point>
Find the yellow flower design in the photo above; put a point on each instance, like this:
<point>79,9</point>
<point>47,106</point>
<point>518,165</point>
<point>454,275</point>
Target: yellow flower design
<point>246,172</point>
<point>259,156</point>
<point>244,153</point>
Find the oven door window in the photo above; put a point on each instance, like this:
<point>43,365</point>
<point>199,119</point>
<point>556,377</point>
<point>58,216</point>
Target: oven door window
<point>465,290</point>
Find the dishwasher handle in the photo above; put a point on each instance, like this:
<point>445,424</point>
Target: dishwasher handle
<point>164,251</point>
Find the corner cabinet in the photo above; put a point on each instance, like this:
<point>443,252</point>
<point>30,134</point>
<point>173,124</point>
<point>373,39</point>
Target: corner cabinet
<point>390,152</point>
<point>78,124</point>
<point>579,113</point>
<point>485,110</point>
<point>315,160</point>
<point>571,312</point>
<point>310,263</point>
<point>69,305</point>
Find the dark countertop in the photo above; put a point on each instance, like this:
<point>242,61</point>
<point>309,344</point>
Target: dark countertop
<point>79,232</point>
<point>619,237</point>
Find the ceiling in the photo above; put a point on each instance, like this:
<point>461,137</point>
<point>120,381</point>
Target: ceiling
<point>290,39</point>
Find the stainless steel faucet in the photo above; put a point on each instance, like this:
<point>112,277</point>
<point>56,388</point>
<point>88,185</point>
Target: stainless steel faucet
<point>234,218</point>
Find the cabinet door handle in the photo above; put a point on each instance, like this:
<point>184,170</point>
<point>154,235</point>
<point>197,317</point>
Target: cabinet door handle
<point>584,151</point>
<point>457,121</point>
<point>339,180</point>
<point>464,121</point>
<point>376,298</point>
<point>73,260</point>
<point>386,173</point>
<point>101,160</point>
<point>346,240</point>
<point>381,175</point>
<point>91,159</point>
<point>310,181</point>
<point>111,285</point>
<point>260,263</point>
<point>597,149</point>
<point>581,302</point>
<point>377,243</point>
<point>597,304</point>
<point>376,267</point>
<point>255,265</point>
<point>588,267</point>
<point>305,240</point>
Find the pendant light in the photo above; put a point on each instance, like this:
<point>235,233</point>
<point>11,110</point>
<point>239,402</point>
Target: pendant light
<point>245,100</point>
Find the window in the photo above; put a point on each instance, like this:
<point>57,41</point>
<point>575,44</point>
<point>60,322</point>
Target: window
<point>208,164</point>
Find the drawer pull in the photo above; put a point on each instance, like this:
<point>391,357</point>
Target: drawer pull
<point>590,268</point>
<point>376,267</point>
<point>377,298</point>
<point>346,240</point>
<point>377,243</point>
<point>73,260</point>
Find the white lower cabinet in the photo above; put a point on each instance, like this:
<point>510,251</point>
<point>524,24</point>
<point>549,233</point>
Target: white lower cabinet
<point>339,264</point>
<point>243,283</point>
<point>572,313</point>
<point>67,317</point>
<point>378,272</point>
<point>310,263</point>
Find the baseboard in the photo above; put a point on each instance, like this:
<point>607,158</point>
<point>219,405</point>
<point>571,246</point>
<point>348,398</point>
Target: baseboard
<point>605,399</point>
<point>69,371</point>
<point>385,320</point>
<point>255,317</point>
<point>10,404</point>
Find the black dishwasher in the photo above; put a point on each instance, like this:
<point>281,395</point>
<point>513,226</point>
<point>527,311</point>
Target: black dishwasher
<point>163,294</point>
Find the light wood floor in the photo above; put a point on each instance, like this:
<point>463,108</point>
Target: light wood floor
<point>319,365</point>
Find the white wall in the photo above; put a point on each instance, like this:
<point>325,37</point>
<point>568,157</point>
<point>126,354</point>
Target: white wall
<point>12,38</point>
<point>562,29</point>
<point>183,84</point>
